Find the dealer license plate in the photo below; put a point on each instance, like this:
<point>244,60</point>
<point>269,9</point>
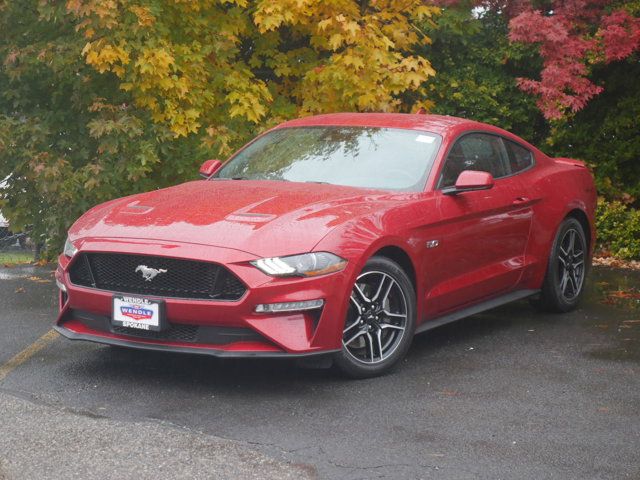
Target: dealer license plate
<point>138,312</point>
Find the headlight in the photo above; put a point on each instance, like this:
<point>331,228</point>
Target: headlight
<point>305,265</point>
<point>69,249</point>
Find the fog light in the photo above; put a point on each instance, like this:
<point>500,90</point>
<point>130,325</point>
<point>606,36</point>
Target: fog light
<point>289,306</point>
<point>61,285</point>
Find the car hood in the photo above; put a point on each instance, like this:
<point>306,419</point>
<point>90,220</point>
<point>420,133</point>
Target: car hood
<point>263,218</point>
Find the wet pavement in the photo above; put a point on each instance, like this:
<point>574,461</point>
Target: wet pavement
<point>510,393</point>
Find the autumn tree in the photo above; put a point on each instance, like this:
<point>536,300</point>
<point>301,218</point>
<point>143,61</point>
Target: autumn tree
<point>497,60</point>
<point>102,98</point>
<point>477,68</point>
<point>572,36</point>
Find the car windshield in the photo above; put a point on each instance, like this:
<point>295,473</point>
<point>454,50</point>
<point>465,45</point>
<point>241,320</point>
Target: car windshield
<point>380,158</point>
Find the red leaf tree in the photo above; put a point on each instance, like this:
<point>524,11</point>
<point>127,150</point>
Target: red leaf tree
<point>571,36</point>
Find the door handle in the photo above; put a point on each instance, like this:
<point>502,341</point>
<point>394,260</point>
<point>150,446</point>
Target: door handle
<point>520,200</point>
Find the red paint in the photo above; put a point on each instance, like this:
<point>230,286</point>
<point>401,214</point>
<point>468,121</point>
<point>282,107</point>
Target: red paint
<point>209,167</point>
<point>490,241</point>
<point>471,180</point>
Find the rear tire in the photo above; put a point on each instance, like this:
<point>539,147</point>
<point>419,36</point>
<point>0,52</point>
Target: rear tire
<point>380,322</point>
<point>563,284</point>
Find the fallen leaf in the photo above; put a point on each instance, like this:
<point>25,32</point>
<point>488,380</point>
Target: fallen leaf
<point>19,290</point>
<point>624,294</point>
<point>39,279</point>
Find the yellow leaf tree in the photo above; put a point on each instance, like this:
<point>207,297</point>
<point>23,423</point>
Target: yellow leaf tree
<point>105,98</point>
<point>221,67</point>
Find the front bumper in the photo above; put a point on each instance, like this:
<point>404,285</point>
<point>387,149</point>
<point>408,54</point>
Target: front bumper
<point>219,328</point>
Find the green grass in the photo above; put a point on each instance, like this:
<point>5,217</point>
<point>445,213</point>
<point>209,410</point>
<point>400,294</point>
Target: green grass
<point>13,258</point>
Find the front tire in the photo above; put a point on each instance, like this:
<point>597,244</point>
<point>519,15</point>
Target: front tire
<point>380,321</point>
<point>564,281</point>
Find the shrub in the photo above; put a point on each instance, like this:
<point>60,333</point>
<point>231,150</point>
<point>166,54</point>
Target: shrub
<point>618,229</point>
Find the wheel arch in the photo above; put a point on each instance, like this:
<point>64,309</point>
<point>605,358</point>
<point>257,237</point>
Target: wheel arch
<point>582,217</point>
<point>402,258</point>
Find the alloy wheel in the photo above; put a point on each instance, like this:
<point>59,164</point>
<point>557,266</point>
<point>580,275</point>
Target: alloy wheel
<point>377,318</point>
<point>571,264</point>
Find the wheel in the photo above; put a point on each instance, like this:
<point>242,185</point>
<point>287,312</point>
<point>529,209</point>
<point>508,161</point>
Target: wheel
<point>380,321</point>
<point>564,281</point>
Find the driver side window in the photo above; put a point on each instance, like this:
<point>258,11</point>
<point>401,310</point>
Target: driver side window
<point>475,151</point>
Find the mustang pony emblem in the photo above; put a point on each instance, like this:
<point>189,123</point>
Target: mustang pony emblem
<point>149,273</point>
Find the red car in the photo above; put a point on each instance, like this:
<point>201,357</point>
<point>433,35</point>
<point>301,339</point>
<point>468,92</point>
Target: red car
<point>339,235</point>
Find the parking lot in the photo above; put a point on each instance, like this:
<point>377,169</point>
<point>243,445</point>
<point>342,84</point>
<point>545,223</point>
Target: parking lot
<point>507,394</point>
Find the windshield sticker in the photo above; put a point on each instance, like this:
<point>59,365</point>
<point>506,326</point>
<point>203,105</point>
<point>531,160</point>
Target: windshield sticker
<point>425,139</point>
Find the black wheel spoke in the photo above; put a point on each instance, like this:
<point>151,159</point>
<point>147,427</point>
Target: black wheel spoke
<point>356,303</point>
<point>379,343</point>
<point>572,282</point>
<point>350,327</point>
<point>576,280</point>
<point>384,326</point>
<point>564,282</point>
<point>572,241</point>
<point>360,293</point>
<point>369,342</point>
<point>380,286</point>
<point>348,342</point>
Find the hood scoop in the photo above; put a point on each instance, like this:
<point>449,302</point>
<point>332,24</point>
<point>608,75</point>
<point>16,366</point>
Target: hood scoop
<point>135,208</point>
<point>247,215</point>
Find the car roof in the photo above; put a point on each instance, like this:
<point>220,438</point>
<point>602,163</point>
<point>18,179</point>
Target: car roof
<point>430,123</point>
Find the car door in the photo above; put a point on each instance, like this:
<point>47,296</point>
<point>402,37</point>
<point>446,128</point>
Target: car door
<point>482,235</point>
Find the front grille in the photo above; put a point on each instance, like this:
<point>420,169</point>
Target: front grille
<point>116,272</point>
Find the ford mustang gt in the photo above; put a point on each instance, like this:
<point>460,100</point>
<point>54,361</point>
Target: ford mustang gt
<point>338,235</point>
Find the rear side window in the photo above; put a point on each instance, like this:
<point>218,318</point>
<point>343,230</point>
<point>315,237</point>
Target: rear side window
<point>476,151</point>
<point>519,157</point>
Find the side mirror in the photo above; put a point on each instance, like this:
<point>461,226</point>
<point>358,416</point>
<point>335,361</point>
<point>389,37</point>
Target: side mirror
<point>469,181</point>
<point>209,167</point>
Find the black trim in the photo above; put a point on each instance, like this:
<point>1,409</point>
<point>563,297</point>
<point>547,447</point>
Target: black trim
<point>88,267</point>
<point>113,292</point>
<point>166,348</point>
<point>499,135</point>
<point>85,254</point>
<point>474,309</point>
<point>175,332</point>
<point>456,191</point>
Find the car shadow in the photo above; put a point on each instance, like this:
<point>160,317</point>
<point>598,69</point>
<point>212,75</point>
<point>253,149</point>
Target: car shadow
<point>273,375</point>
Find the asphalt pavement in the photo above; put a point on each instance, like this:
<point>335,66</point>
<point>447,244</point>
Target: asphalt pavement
<point>508,394</point>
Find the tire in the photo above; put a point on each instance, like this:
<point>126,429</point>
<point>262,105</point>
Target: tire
<point>564,281</point>
<point>381,320</point>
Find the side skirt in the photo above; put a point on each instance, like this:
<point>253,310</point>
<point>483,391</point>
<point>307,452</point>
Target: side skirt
<point>477,308</point>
